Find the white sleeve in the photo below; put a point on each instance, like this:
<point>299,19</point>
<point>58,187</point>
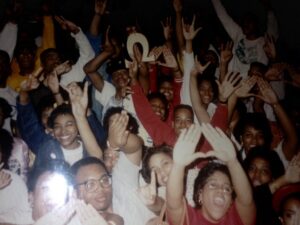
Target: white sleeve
<point>86,53</point>
<point>8,38</point>
<point>231,27</point>
<point>105,95</point>
<point>188,63</point>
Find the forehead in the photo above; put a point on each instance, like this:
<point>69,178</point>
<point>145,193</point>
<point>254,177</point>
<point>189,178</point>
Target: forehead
<point>220,177</point>
<point>90,171</point>
<point>64,118</point>
<point>158,157</point>
<point>121,71</point>
<point>205,84</point>
<point>252,129</point>
<point>260,162</point>
<point>166,84</point>
<point>180,113</point>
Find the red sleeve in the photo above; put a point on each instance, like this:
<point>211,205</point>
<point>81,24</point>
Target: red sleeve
<point>219,119</point>
<point>177,87</point>
<point>153,78</point>
<point>158,130</point>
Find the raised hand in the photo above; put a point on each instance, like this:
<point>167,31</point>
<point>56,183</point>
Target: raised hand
<point>148,193</point>
<point>199,67</point>
<point>67,25</point>
<point>52,82</point>
<point>167,28</point>
<point>5,178</point>
<point>78,98</point>
<point>269,46</point>
<point>117,131</point>
<point>292,173</point>
<point>184,149</point>
<point>156,52</point>
<point>88,215</point>
<point>170,60</point>
<point>267,94</point>
<point>223,148</point>
<point>226,52</point>
<point>58,216</point>
<point>29,84</point>
<point>228,86</point>
<point>189,31</point>
<point>100,7</point>
<point>243,91</point>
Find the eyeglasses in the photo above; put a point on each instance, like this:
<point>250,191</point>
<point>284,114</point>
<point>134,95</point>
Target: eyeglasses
<point>213,185</point>
<point>92,185</point>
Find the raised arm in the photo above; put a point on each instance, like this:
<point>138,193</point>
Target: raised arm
<point>290,141</point>
<point>79,102</point>
<point>177,5</point>
<point>99,8</point>
<point>224,150</point>
<point>183,155</point>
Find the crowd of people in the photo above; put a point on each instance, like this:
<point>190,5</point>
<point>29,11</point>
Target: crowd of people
<point>128,133</point>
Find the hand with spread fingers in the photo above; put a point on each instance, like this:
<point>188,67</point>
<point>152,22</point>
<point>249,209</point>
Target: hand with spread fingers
<point>230,83</point>
<point>189,31</point>
<point>243,91</point>
<point>148,193</point>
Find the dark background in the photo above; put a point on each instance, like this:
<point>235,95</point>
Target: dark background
<point>149,13</point>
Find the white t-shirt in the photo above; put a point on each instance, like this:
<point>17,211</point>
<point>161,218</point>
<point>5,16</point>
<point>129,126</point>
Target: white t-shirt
<point>126,203</point>
<point>14,206</point>
<point>73,155</point>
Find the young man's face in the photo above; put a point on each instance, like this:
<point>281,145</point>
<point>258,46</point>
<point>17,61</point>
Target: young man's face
<point>65,131</point>
<point>183,118</point>
<point>52,60</point>
<point>120,78</point>
<point>93,186</point>
<point>26,60</point>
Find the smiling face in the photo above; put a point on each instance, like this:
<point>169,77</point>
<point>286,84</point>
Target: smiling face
<point>120,78</point>
<point>65,131</point>
<point>162,164</point>
<point>252,138</point>
<point>259,172</point>
<point>166,88</point>
<point>216,197</point>
<point>158,108</point>
<point>101,198</point>
<point>183,118</point>
<point>206,92</point>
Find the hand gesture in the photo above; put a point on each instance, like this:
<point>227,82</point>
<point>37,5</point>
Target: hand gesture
<point>108,47</point>
<point>226,52</point>
<point>199,67</point>
<point>29,84</point>
<point>67,25</point>
<point>62,68</point>
<point>110,158</point>
<point>167,28</point>
<point>170,60</point>
<point>148,193</point>
<point>100,6</point>
<point>156,52</point>
<point>228,86</point>
<point>243,91</point>
<point>267,94</point>
<point>189,31</point>
<point>58,216</point>
<point>79,99</point>
<point>177,5</point>
<point>275,72</point>
<point>269,46</point>
<point>223,148</point>
<point>117,131</point>
<point>88,215</point>
<point>52,82</point>
<point>133,69</point>
<point>184,149</point>
<point>5,178</point>
<point>292,173</point>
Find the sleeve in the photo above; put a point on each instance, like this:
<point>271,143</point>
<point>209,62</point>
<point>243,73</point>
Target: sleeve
<point>231,27</point>
<point>95,42</point>
<point>8,38</point>
<point>159,131</point>
<point>188,63</point>
<point>86,53</point>
<point>30,127</point>
<point>97,129</point>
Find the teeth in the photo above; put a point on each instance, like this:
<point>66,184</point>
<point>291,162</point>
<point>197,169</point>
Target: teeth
<point>219,201</point>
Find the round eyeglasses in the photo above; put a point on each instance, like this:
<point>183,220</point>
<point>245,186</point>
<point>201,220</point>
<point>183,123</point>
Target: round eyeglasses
<point>92,185</point>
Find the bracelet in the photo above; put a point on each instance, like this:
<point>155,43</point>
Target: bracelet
<point>110,147</point>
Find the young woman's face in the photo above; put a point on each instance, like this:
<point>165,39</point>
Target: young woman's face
<point>291,212</point>
<point>252,138</point>
<point>216,197</point>
<point>158,108</point>
<point>162,164</point>
<point>206,92</point>
<point>259,172</point>
<point>65,131</point>
<point>166,88</point>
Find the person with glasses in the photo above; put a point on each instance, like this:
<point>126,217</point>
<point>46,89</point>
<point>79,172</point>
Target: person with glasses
<point>93,184</point>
